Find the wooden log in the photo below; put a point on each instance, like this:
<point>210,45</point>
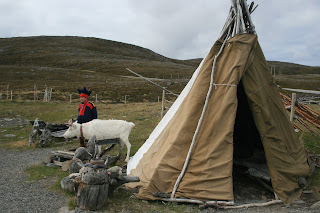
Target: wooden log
<point>58,163</point>
<point>92,197</point>
<point>252,205</point>
<point>93,176</point>
<point>180,200</point>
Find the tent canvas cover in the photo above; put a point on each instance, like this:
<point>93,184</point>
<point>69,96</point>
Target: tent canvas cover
<point>210,107</point>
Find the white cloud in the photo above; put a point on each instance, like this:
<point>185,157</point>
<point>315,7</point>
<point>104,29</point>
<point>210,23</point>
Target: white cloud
<point>288,30</point>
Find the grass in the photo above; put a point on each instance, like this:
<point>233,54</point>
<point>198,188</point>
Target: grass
<point>38,172</point>
<point>144,115</point>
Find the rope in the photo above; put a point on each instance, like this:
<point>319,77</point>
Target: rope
<point>199,122</point>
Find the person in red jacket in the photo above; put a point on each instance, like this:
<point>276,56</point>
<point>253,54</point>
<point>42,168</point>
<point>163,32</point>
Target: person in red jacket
<point>87,110</point>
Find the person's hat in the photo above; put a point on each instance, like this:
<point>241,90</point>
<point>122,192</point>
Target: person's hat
<point>84,92</point>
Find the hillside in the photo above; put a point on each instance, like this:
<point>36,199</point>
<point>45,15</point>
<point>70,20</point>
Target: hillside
<point>67,63</point>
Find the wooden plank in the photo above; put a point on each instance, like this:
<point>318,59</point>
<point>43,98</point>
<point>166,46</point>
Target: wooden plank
<point>58,163</point>
<point>63,152</point>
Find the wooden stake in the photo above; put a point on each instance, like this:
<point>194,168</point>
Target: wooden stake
<point>162,106</point>
<point>35,96</point>
<point>11,95</point>
<point>45,96</point>
<point>96,98</point>
<point>8,92</point>
<point>50,94</point>
<point>70,98</point>
<point>125,99</point>
<point>293,106</point>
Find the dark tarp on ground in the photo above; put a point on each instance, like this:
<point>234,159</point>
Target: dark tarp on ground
<point>209,172</point>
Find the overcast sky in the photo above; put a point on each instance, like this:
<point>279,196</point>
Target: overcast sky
<point>288,30</point>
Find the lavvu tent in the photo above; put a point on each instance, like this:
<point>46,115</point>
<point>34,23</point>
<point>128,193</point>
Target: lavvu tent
<point>229,111</point>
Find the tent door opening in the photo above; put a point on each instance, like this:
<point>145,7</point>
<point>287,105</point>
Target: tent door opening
<point>250,170</point>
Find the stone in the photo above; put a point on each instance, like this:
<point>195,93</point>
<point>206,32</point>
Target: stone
<point>51,165</point>
<point>9,136</point>
<point>94,176</point>
<point>67,184</point>
<point>49,158</point>
<point>82,154</point>
<point>66,165</point>
<point>115,172</point>
<point>315,205</point>
<point>75,166</point>
<point>63,209</point>
<point>92,197</point>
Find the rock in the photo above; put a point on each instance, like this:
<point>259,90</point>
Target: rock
<point>49,158</point>
<point>315,205</point>
<point>75,166</point>
<point>299,202</point>
<point>9,136</point>
<point>63,209</point>
<point>92,197</point>
<point>82,154</point>
<point>51,165</point>
<point>115,172</point>
<point>302,182</point>
<point>66,165</point>
<point>67,184</point>
<point>94,176</point>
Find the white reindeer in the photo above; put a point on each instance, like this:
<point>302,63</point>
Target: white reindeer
<point>103,129</point>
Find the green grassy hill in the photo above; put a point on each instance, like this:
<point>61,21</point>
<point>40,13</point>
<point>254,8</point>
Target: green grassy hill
<point>67,63</point>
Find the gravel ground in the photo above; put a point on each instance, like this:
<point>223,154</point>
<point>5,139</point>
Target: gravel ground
<point>17,195</point>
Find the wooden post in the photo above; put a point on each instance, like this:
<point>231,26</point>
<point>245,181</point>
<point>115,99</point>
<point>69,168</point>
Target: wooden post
<point>125,99</point>
<point>96,98</point>
<point>293,106</point>
<point>45,96</point>
<point>50,93</point>
<point>35,96</point>
<point>70,98</point>
<point>8,92</point>
<point>162,106</point>
<point>11,95</point>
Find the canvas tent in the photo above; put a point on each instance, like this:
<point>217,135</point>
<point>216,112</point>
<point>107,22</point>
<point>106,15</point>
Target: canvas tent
<point>229,111</point>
